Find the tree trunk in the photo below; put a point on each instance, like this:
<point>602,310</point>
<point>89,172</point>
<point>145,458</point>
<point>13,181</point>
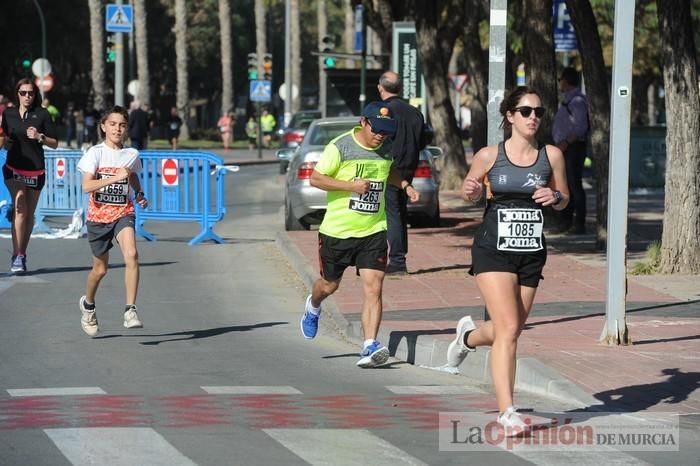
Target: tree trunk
<point>680,241</point>
<point>97,46</point>
<point>141,39</point>
<point>226,56</point>
<point>477,66</point>
<point>435,46</point>
<point>296,55</point>
<point>538,48</point>
<point>349,33</point>
<point>260,34</point>
<point>598,96</point>
<point>183,95</point>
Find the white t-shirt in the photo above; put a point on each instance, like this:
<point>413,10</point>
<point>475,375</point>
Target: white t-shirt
<point>113,201</point>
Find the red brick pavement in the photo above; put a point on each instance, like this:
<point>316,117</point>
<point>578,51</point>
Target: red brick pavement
<point>660,371</point>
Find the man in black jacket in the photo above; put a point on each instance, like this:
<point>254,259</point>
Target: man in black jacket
<point>405,152</point>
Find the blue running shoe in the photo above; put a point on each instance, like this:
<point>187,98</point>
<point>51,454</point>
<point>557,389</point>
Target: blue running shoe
<point>309,321</point>
<point>373,355</point>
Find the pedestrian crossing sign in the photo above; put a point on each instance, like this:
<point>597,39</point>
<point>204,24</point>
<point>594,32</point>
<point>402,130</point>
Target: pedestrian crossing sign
<point>119,18</point>
<point>260,91</point>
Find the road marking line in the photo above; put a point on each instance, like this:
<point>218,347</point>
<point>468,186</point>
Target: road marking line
<point>341,446</point>
<point>116,446</point>
<point>430,389</point>
<point>57,391</point>
<point>250,390</point>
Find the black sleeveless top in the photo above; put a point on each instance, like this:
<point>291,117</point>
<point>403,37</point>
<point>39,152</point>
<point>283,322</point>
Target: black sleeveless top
<point>513,221</point>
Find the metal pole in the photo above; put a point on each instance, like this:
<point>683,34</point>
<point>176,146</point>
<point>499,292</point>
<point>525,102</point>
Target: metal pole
<point>322,77</point>
<point>363,70</point>
<point>132,57</point>
<point>615,331</point>
<point>119,67</point>
<point>497,73</point>
<point>43,45</point>
<point>287,62</point>
<point>259,110</point>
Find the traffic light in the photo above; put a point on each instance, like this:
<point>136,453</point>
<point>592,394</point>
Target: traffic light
<point>327,45</point>
<point>111,48</point>
<point>25,59</point>
<point>267,67</point>
<point>252,66</point>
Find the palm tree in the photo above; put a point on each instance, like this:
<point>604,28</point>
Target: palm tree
<point>296,54</point>
<point>141,39</point>
<point>260,36</point>
<point>97,42</point>
<point>226,54</point>
<point>183,98</point>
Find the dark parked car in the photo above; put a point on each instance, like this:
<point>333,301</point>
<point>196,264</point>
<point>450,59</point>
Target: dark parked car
<point>305,205</point>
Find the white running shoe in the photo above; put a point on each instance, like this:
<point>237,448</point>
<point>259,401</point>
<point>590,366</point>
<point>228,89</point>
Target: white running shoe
<point>457,351</point>
<point>89,319</point>
<point>131,318</point>
<point>512,423</point>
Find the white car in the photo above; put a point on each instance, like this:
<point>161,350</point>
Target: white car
<point>305,205</point>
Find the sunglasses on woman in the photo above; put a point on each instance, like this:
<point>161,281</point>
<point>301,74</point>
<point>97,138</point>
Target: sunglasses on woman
<point>26,93</point>
<point>526,110</point>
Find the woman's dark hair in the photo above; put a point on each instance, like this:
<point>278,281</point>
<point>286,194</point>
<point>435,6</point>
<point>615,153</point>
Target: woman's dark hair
<point>510,102</point>
<point>116,109</point>
<point>36,102</point>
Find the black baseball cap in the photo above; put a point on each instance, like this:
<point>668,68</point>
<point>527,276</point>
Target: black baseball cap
<point>380,117</point>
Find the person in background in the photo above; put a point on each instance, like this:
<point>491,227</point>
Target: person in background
<point>26,128</point>
<point>110,174</point>
<point>71,125</point>
<point>92,117</point>
<point>225,125</point>
<point>138,126</point>
<point>79,127</point>
<point>405,150</point>
<point>173,127</point>
<point>570,131</point>
<point>267,124</point>
<point>251,130</point>
<point>53,111</point>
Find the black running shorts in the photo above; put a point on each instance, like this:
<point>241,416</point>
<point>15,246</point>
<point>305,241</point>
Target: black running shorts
<point>33,182</point>
<point>335,255</point>
<point>101,235</point>
<point>528,267</point>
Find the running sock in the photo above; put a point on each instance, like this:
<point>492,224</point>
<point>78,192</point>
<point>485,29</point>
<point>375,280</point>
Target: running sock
<point>128,307</point>
<point>466,339</point>
<point>314,310</point>
<point>89,306</point>
<point>367,343</point>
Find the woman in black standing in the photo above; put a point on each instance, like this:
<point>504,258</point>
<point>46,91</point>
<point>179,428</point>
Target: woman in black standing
<point>27,127</point>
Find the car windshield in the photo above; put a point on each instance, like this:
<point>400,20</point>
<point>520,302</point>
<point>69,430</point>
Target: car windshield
<point>323,134</point>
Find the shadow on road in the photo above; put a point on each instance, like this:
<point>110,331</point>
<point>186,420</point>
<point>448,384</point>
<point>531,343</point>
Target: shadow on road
<point>197,334</point>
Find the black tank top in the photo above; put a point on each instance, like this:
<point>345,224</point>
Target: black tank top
<point>513,221</point>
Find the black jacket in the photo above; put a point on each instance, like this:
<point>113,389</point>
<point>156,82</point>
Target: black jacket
<point>408,140</point>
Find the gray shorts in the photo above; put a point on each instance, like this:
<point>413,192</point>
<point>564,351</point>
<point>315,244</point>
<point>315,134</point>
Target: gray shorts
<point>101,235</point>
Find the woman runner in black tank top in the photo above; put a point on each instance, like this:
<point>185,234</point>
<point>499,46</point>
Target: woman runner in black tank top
<point>509,249</point>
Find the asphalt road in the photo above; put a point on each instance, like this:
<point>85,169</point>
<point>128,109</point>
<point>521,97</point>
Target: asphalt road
<point>220,373</point>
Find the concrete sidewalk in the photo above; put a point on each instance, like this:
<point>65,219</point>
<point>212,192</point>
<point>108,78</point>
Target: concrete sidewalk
<point>559,354</point>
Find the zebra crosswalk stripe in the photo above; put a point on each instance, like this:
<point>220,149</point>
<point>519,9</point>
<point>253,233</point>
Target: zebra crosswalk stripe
<point>341,446</point>
<point>250,390</point>
<point>56,391</point>
<point>116,446</point>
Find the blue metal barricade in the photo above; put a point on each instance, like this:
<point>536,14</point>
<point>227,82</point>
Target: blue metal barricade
<point>5,198</point>
<point>62,195</point>
<point>179,187</point>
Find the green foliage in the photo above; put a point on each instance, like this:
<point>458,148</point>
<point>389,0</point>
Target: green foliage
<point>651,264</point>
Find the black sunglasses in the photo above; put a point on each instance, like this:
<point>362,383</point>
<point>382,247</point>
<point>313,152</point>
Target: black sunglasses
<point>26,93</point>
<point>526,110</point>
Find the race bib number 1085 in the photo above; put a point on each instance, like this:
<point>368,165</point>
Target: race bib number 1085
<point>520,230</point>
